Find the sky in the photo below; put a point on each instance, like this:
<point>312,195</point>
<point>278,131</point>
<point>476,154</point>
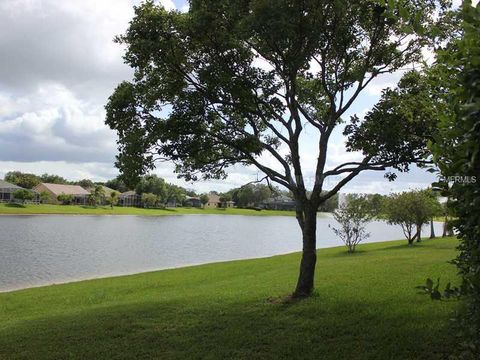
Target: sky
<point>59,65</point>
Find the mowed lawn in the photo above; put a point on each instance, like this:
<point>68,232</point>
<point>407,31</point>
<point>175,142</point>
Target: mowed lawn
<point>31,209</point>
<point>366,307</point>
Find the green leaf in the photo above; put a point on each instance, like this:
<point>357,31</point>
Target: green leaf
<point>391,5</point>
<point>403,12</point>
<point>429,284</point>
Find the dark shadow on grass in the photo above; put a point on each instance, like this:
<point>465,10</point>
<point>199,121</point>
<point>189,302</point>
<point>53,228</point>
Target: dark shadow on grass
<point>157,209</point>
<point>311,329</point>
<point>345,253</point>
<point>421,245</point>
<point>15,205</point>
<point>405,246</point>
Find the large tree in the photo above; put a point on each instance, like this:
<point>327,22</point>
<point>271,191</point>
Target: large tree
<point>27,181</point>
<point>456,77</point>
<point>152,184</point>
<point>175,194</point>
<point>53,179</point>
<point>239,81</point>
<point>411,210</point>
<point>252,195</point>
<point>117,184</point>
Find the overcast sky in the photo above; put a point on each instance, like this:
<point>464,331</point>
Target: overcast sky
<point>58,65</point>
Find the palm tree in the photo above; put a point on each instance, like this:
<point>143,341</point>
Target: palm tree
<point>97,195</point>
<point>113,198</point>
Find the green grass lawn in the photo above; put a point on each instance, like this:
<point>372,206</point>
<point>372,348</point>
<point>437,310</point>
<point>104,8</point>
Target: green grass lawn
<point>30,209</point>
<point>366,307</point>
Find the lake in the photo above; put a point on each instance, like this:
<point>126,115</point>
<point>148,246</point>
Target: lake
<point>39,250</point>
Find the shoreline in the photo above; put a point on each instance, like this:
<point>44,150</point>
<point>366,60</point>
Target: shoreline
<point>46,209</point>
<point>149,215</point>
<point>183,266</point>
<point>143,272</point>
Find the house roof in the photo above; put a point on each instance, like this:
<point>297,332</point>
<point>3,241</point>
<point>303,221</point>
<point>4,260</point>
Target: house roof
<point>58,189</point>
<point>192,198</point>
<point>128,193</point>
<point>7,185</point>
<point>213,198</point>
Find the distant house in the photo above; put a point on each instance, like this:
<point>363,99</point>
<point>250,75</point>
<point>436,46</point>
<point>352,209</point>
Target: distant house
<point>172,203</point>
<point>79,194</point>
<point>227,204</point>
<point>213,201</point>
<point>7,190</point>
<point>279,203</point>
<point>130,198</point>
<point>192,201</point>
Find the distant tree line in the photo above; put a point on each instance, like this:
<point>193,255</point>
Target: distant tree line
<point>156,192</point>
<point>254,195</point>
<point>29,181</point>
<point>251,195</point>
<point>411,210</point>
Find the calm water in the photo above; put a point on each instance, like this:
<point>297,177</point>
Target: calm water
<point>39,250</point>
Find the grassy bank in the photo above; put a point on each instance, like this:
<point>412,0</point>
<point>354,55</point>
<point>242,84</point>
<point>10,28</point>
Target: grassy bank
<point>366,308</point>
<point>30,209</point>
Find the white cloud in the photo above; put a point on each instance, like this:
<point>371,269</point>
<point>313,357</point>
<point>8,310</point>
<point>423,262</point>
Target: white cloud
<point>53,124</point>
<point>68,42</point>
<point>168,4</point>
<point>62,64</point>
<point>382,82</point>
<point>89,170</point>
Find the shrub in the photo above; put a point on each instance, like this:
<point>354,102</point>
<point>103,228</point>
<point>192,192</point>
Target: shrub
<point>23,195</point>
<point>352,218</point>
<point>149,200</point>
<point>65,199</point>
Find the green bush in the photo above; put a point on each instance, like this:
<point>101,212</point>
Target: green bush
<point>65,199</point>
<point>457,153</point>
<point>23,195</point>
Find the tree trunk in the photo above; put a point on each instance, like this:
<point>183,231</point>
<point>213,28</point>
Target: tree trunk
<point>419,233</point>
<point>445,227</point>
<point>450,229</point>
<point>411,239</point>
<point>432,230</point>
<point>309,255</point>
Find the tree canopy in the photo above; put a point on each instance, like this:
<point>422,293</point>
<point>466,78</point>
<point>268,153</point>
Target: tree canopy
<point>154,185</point>
<point>456,86</point>
<point>411,210</point>
<point>117,184</point>
<point>164,191</point>
<point>25,180</point>
<point>53,179</point>
<point>224,109</point>
<point>239,82</point>
<point>251,194</point>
